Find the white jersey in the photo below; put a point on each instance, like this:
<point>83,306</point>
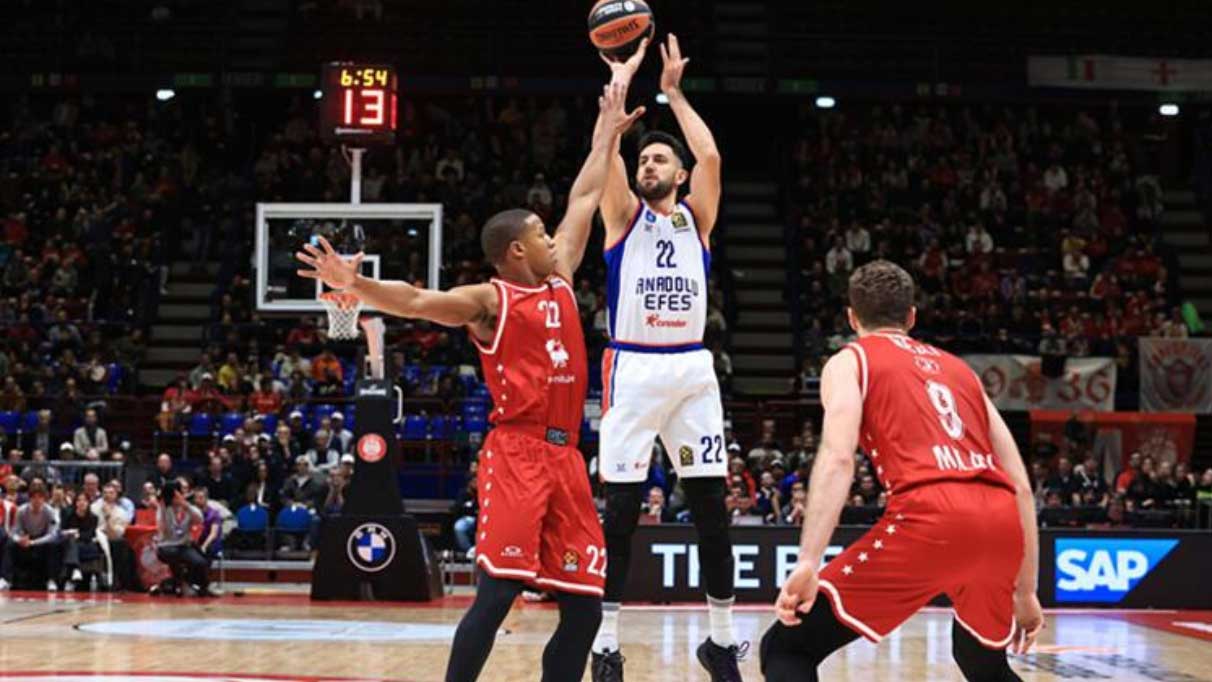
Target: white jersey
<point>656,282</point>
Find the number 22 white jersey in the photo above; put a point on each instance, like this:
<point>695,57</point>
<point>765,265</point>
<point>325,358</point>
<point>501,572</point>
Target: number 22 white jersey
<point>656,282</point>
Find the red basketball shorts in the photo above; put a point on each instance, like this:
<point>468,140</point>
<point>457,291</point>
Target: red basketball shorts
<point>538,523</point>
<point>959,539</point>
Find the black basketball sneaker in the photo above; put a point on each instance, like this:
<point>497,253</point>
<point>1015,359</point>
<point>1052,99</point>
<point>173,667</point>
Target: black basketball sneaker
<point>721,662</point>
<point>607,667</point>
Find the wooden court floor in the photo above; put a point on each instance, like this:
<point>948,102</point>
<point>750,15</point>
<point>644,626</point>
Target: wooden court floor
<point>75,638</point>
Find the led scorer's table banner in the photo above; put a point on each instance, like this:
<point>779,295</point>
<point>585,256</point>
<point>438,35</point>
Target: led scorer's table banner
<point>1122,569</point>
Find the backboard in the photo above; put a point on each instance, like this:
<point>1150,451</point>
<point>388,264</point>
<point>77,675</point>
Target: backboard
<point>387,233</point>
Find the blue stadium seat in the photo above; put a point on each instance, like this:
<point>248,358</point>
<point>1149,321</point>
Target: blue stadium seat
<point>270,423</point>
<point>481,391</point>
<point>469,382</point>
<point>10,421</point>
<point>230,422</point>
<point>252,518</point>
<point>416,427</point>
<point>475,425</point>
<point>293,519</point>
<point>319,413</point>
<point>474,408</point>
<point>30,422</point>
<point>114,383</point>
<point>201,425</point>
<point>441,427</point>
<point>411,374</point>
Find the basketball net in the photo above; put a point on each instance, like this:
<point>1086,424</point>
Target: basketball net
<point>343,310</point>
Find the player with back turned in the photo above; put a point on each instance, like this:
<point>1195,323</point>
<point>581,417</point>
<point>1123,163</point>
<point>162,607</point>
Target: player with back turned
<point>538,524</point>
<point>960,518</point>
<point>658,380</point>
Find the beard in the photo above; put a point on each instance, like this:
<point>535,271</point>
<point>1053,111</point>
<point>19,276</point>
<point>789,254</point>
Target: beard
<point>654,192</point>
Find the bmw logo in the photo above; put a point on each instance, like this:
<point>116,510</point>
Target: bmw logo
<point>371,547</point>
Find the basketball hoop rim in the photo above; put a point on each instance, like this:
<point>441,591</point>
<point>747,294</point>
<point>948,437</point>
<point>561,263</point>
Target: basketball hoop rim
<point>342,299</point>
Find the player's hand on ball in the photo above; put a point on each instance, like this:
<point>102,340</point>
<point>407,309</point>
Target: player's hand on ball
<point>674,65</point>
<point>798,594</point>
<point>1029,619</point>
<point>624,71</point>
<point>613,105</point>
<point>329,266</point>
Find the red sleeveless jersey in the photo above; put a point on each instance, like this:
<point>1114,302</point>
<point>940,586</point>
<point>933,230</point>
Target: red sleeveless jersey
<point>536,367</point>
<point>924,416</point>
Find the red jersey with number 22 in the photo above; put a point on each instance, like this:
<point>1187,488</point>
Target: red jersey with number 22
<point>536,367</point>
<point>924,415</point>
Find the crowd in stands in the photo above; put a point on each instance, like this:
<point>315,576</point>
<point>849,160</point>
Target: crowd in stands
<point>1028,230</point>
<point>86,201</point>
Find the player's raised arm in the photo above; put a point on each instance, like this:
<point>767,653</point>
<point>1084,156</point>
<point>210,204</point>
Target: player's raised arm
<point>1026,603</point>
<point>573,232</point>
<point>474,306</point>
<point>829,483</point>
<point>619,203</point>
<point>704,197</point>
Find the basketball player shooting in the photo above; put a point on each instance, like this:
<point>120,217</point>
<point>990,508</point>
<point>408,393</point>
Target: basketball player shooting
<point>539,525</point>
<point>657,378</point>
<point>960,518</point>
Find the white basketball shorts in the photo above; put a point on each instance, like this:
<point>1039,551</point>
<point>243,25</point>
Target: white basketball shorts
<point>671,395</point>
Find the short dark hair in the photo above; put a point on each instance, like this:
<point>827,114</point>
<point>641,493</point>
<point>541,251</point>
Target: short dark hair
<point>661,137</point>
<point>881,294</point>
<point>501,230</point>
<point>37,487</point>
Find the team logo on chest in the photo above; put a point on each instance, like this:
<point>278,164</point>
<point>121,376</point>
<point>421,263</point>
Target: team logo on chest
<point>559,354</point>
<point>679,222</point>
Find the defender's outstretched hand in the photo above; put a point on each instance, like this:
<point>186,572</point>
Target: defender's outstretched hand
<point>673,65</point>
<point>613,106</point>
<point>329,266</point>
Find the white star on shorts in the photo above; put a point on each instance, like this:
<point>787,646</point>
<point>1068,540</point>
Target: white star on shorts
<point>891,529</point>
<point>862,557</point>
<point>847,569</point>
<point>900,517</point>
<point>879,544</point>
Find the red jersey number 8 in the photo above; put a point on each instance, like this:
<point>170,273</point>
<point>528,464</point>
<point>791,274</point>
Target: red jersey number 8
<point>944,403</point>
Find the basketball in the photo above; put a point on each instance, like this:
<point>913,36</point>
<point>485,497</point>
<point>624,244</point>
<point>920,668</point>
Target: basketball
<point>616,28</point>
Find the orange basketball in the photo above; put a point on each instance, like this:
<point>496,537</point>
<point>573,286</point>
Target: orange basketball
<point>616,27</point>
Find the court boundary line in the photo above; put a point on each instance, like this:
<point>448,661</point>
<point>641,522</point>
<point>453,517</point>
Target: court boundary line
<point>234,676</point>
<point>457,601</point>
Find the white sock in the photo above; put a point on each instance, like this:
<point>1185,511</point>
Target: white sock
<point>608,631</point>
<point>719,611</point>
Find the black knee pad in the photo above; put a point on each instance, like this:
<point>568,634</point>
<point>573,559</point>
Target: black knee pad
<point>623,502</point>
<point>705,496</point>
<point>978,663</point>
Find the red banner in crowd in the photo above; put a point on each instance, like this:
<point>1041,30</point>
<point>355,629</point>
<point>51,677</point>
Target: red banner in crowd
<point>1017,382</point>
<point>1176,375</point>
<point>1116,435</point>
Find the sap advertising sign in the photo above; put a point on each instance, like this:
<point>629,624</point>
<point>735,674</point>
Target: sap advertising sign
<point>1104,570</point>
<point>1126,569</point>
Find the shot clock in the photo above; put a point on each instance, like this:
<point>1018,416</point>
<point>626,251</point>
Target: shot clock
<point>359,103</point>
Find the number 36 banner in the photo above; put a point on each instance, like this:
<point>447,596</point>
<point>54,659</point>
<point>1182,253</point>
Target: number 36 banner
<point>1017,382</point>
